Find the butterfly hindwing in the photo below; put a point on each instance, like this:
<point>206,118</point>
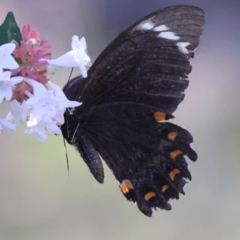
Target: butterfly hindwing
<point>133,87</point>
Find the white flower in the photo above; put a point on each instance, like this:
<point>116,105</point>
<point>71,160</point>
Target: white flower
<point>47,107</point>
<point>50,102</point>
<point>6,84</point>
<point>6,59</point>
<point>62,102</point>
<point>4,122</point>
<point>76,58</point>
<point>18,112</point>
<point>43,128</point>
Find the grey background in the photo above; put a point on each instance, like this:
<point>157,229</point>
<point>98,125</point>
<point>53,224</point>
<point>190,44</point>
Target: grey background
<point>37,199</point>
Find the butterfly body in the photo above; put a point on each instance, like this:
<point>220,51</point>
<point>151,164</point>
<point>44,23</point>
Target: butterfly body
<point>131,91</point>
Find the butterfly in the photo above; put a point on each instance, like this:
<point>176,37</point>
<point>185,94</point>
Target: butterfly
<point>131,91</point>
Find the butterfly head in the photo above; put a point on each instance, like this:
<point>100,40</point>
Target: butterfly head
<point>71,123</point>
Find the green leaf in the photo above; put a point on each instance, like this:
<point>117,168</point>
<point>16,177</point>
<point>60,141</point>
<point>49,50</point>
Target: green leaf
<point>9,30</point>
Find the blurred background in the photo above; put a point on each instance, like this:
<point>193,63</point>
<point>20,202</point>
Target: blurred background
<point>39,202</point>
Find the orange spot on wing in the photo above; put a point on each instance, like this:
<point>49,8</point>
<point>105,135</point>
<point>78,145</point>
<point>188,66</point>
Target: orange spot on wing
<point>172,135</point>
<point>126,186</point>
<point>164,188</point>
<point>173,173</point>
<point>159,116</point>
<point>175,153</point>
<point>149,195</point>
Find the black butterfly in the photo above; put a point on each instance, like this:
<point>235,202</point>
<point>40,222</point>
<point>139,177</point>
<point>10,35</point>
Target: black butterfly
<point>131,89</point>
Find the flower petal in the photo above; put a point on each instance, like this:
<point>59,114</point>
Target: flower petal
<point>18,111</point>
<point>75,58</point>
<point>4,75</point>
<point>5,92</point>
<point>16,80</point>
<point>79,45</point>
<point>6,59</point>
<point>8,124</point>
<point>38,88</point>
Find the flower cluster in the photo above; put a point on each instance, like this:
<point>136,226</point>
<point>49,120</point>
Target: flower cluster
<point>24,83</point>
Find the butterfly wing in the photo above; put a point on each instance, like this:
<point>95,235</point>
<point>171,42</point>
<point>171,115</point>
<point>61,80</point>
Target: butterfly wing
<point>131,89</point>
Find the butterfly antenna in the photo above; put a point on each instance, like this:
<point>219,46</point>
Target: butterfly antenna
<point>64,142</point>
<point>66,152</point>
<point>70,75</point>
<point>73,136</point>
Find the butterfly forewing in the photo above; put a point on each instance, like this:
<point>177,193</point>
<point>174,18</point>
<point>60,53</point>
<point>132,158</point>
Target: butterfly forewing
<point>131,89</point>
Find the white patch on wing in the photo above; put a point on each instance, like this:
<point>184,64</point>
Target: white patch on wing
<point>147,26</point>
<point>168,35</point>
<point>184,187</point>
<point>160,28</point>
<point>182,46</point>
